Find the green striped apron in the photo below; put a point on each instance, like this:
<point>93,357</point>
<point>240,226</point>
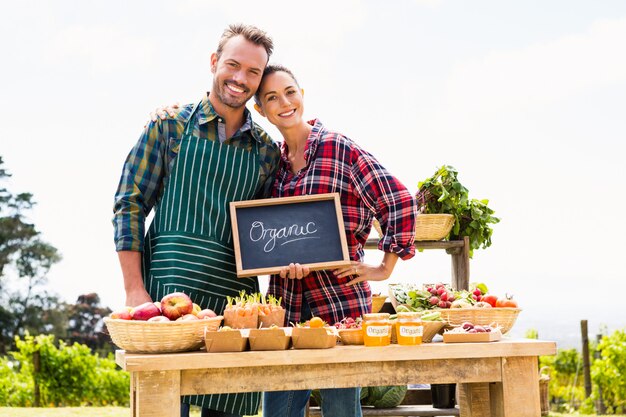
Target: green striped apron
<point>189,243</point>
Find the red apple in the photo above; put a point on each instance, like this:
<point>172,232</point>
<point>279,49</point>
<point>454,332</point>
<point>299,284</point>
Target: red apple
<point>122,313</point>
<point>206,313</point>
<point>196,309</point>
<point>187,317</point>
<point>159,318</point>
<point>144,311</point>
<point>175,305</point>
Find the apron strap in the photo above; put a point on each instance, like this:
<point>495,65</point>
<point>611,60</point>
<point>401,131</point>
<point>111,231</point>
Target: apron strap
<point>189,125</point>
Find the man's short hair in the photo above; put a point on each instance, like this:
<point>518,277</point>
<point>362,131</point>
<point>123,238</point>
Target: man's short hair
<point>250,33</point>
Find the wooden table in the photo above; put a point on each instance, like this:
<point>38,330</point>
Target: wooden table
<point>498,379</point>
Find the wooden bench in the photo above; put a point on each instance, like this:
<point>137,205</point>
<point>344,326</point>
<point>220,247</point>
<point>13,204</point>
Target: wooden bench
<point>417,402</point>
<point>401,410</point>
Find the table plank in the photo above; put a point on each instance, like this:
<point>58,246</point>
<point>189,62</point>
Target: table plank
<point>343,375</point>
<point>339,354</point>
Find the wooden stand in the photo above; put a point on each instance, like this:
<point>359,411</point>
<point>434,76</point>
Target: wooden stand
<point>459,254</point>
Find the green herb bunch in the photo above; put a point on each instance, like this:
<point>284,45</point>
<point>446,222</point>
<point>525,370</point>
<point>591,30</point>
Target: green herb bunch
<point>443,193</point>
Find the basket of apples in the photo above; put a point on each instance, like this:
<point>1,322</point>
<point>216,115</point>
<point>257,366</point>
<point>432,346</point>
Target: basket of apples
<point>174,324</point>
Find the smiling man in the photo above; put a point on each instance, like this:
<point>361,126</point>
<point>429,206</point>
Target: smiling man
<point>188,168</point>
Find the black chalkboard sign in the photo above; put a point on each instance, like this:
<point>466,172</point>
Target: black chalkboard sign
<point>271,233</point>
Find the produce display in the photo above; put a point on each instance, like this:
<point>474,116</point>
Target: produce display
<point>443,296</point>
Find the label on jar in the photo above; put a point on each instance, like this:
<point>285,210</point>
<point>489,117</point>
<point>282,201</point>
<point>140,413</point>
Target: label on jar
<point>411,331</point>
<point>378,331</point>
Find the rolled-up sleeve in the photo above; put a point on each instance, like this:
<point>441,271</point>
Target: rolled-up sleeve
<point>139,187</point>
<point>394,206</point>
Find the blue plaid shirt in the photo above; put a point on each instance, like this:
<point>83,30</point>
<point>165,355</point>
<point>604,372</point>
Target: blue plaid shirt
<point>150,161</point>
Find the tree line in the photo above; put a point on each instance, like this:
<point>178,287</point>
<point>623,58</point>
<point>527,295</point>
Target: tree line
<point>27,306</point>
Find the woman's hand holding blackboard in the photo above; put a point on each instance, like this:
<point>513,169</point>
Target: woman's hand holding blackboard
<point>364,272</point>
<point>294,271</point>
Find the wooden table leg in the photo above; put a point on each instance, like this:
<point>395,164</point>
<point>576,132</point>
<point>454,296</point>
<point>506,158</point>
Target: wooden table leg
<point>133,403</point>
<point>474,400</point>
<point>518,393</point>
<point>156,393</point>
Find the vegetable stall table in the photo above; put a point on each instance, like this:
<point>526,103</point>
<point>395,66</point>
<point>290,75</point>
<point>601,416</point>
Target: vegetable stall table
<point>497,379</point>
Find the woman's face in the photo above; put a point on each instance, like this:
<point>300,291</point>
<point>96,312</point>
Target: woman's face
<point>281,100</point>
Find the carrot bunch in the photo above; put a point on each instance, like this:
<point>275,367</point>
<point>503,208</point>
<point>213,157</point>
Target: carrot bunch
<point>251,311</point>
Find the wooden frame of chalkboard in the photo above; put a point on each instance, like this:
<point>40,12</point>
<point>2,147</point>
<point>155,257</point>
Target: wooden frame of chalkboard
<point>271,233</point>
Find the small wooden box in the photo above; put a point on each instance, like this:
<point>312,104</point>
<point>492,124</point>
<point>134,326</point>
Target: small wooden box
<point>472,337</point>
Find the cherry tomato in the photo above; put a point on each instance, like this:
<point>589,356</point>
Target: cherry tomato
<point>506,302</point>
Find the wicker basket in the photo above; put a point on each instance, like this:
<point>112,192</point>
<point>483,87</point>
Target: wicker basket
<point>431,328</point>
<point>136,336</point>
<point>503,317</point>
<point>377,302</point>
<point>351,336</point>
<point>428,226</point>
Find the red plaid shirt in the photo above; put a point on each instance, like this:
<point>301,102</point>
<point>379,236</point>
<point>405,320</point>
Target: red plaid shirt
<point>335,163</point>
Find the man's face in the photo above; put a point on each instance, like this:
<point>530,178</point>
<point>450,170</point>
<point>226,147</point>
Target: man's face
<point>237,73</point>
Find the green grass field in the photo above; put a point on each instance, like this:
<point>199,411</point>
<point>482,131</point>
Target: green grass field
<point>124,412</point>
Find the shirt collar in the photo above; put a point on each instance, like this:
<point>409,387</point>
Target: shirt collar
<point>206,113</point>
<point>314,138</point>
<point>311,142</point>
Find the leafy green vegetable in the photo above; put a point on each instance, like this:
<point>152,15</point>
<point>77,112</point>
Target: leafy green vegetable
<point>384,396</point>
<point>443,193</point>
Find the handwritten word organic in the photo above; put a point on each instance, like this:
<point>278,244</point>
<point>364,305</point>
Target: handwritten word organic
<point>284,235</point>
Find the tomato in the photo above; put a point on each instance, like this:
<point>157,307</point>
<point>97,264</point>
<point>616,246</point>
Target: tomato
<point>316,322</point>
<point>506,302</point>
<point>491,299</point>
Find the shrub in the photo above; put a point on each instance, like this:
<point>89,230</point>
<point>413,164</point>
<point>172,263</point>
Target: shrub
<point>16,386</point>
<point>68,375</point>
<point>609,372</point>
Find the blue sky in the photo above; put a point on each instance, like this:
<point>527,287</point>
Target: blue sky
<point>526,99</point>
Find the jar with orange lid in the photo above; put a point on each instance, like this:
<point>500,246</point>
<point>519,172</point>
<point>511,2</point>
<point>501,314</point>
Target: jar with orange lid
<point>409,328</point>
<point>376,329</point>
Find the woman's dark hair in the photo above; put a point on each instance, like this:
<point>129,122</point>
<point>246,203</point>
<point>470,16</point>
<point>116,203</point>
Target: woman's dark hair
<point>271,69</point>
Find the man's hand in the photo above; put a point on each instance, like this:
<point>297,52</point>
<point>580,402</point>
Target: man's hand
<point>162,113</point>
<point>130,262</point>
<point>135,298</point>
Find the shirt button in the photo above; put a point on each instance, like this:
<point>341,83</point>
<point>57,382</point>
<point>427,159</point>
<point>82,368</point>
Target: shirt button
<point>219,119</point>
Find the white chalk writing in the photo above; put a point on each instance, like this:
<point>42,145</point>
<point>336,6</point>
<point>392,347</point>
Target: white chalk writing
<point>284,235</point>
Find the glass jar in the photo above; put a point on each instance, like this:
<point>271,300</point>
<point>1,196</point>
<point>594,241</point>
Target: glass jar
<point>409,328</point>
<point>376,329</point>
